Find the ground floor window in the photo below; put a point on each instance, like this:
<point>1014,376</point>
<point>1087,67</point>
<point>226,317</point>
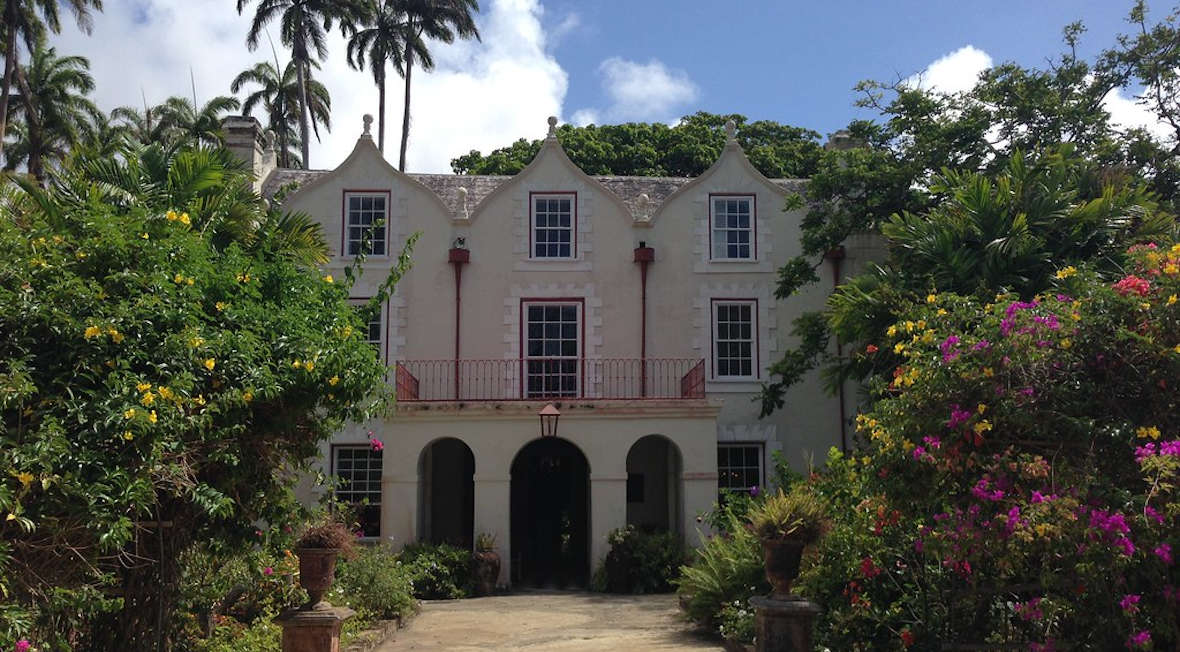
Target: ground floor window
<point>358,482</point>
<point>739,467</point>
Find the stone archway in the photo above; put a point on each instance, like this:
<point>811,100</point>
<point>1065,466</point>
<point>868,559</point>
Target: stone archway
<point>446,493</point>
<point>550,515</point>
<point>653,484</point>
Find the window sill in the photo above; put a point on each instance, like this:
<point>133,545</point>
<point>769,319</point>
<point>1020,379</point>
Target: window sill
<point>552,265</point>
<point>734,386</point>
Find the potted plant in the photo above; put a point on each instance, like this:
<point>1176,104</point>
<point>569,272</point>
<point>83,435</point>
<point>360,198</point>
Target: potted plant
<point>317,548</point>
<point>487,564</point>
<point>786,523</point>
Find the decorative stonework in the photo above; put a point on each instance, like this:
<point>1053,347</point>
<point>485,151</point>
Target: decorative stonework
<point>702,324</point>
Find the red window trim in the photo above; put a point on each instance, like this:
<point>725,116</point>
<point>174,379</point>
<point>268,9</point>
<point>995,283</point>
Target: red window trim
<point>384,352</point>
<point>753,227</point>
<point>573,222</point>
<point>756,365</point>
<point>344,216</point>
<point>581,301</point>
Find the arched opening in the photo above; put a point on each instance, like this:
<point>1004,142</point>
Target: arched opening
<point>550,515</point>
<point>653,485</point>
<point>446,493</point>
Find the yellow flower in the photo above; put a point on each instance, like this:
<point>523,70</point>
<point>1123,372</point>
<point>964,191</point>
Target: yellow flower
<point>931,298</point>
<point>1171,269</point>
<point>899,347</point>
<point>200,399</point>
<point>333,380</point>
<point>189,281</point>
<point>328,278</point>
<point>166,393</point>
<point>1177,349</point>
<point>210,363</point>
<point>982,427</point>
<point>1148,431</point>
<point>92,331</point>
<point>297,364</point>
<point>171,215</point>
<point>309,365</point>
<point>1175,248</point>
<point>247,396</point>
<point>116,336</point>
<point>143,387</point>
<point>1075,316</point>
<point>981,408</point>
<point>1065,343</point>
<point>1171,299</point>
<point>129,414</point>
<point>890,332</point>
<point>184,219</point>
<point>152,416</point>
<point>144,236</point>
<point>148,399</point>
<point>1067,272</point>
<point>988,373</point>
<point>220,305</point>
<point>25,478</point>
<point>1145,306</point>
<point>127,435</point>
<point>178,278</point>
<point>921,324</point>
<point>942,312</point>
<point>196,341</point>
<point>909,327</point>
<point>346,332</point>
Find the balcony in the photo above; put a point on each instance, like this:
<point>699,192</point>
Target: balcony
<point>550,379</point>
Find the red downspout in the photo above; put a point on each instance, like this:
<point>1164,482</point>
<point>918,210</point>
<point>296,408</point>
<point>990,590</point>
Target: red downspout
<point>644,255</point>
<point>836,256</point>
<point>458,257</point>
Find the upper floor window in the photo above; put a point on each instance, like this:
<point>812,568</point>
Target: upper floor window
<point>366,216</point>
<point>553,219</point>
<point>735,341</point>
<point>358,476</point>
<point>552,345</point>
<point>731,227</point>
<point>374,332</point>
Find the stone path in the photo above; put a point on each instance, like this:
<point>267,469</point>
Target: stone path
<point>545,620</point>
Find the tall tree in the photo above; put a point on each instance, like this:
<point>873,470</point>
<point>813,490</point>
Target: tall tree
<point>382,41</point>
<point>278,96</point>
<point>304,27</point>
<point>439,20</point>
<point>52,100</point>
<point>142,127</point>
<point>27,21</point>
<point>181,119</point>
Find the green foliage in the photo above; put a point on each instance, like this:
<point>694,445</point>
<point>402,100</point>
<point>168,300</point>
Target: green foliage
<point>1017,479</point>
<point>798,515</point>
<point>642,562</point>
<point>376,583</point>
<point>233,636</point>
<point>438,571</point>
<point>485,542</point>
<point>727,568</point>
<point>657,150</point>
<point>736,622</point>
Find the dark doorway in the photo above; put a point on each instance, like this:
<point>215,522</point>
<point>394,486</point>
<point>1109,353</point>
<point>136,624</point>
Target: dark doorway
<point>550,515</point>
<point>446,473</point>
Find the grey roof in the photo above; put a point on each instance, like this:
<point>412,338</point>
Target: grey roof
<point>446,187</point>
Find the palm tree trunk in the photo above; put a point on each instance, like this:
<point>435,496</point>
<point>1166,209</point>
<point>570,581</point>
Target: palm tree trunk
<point>33,126</point>
<point>9,67</point>
<point>381,112</point>
<point>406,111</point>
<point>303,128</point>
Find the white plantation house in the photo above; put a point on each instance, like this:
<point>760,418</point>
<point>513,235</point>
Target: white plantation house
<point>640,310</point>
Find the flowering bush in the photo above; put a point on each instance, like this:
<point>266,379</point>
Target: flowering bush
<point>1018,479</point>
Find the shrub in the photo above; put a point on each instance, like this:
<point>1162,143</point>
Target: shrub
<point>727,568</point>
<point>328,532</point>
<point>642,562</point>
<point>736,621</point>
<point>438,571</point>
<point>376,584</point>
<point>798,515</point>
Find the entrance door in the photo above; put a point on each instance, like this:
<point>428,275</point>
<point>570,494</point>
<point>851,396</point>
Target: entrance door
<point>550,515</point>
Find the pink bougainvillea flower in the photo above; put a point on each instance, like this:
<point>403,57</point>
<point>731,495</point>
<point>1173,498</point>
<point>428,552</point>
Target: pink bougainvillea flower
<point>268,571</point>
<point>1138,640</point>
<point>959,416</point>
<point>376,444</point>
<point>23,645</point>
<point>1164,552</point>
<point>1129,603</point>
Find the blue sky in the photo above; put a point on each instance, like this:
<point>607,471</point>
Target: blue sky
<point>608,61</point>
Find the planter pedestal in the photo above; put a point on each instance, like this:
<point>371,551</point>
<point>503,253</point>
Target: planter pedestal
<point>783,625</point>
<point>315,629</point>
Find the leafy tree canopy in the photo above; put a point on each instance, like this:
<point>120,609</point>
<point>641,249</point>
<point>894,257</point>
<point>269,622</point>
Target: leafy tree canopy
<point>657,150</point>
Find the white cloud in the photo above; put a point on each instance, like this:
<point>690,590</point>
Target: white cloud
<point>641,92</point>
<point>1128,113</point>
<point>481,95</point>
<point>583,117</point>
<point>954,72</point>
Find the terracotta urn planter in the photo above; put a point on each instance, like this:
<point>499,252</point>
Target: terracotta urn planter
<point>487,571</point>
<point>317,568</point>
<point>782,557</point>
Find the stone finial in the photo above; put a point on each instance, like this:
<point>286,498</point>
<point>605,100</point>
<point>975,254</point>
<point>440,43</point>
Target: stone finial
<point>552,126</point>
<point>730,131</point>
<point>268,140</point>
<point>368,120</point>
<point>641,204</point>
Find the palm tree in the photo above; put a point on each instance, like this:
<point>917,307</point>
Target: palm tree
<point>439,20</point>
<point>103,137</point>
<point>180,118</point>
<point>381,40</point>
<point>22,23</point>
<point>141,127</point>
<point>52,100</point>
<point>278,96</point>
<point>304,25</point>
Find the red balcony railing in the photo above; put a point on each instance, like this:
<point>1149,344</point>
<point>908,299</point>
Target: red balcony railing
<point>550,378</point>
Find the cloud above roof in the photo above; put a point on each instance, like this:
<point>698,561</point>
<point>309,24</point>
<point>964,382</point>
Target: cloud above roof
<point>647,92</point>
